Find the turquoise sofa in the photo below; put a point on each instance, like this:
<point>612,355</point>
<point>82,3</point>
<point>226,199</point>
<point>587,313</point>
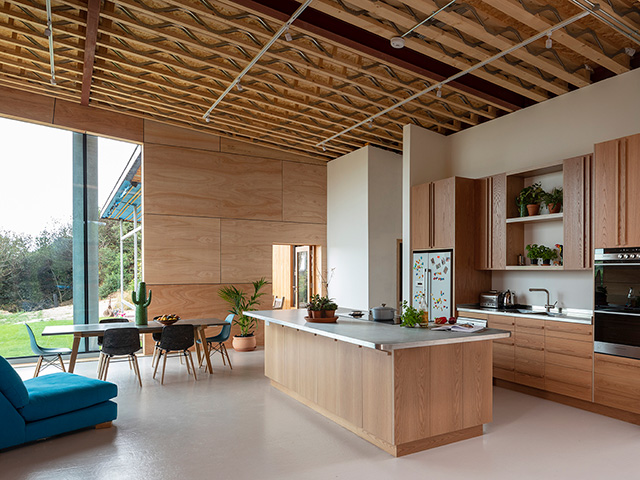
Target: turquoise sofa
<point>49,405</point>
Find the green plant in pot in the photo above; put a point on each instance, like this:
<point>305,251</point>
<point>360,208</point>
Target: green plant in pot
<point>553,200</point>
<point>533,252</point>
<point>241,302</point>
<point>321,307</point>
<point>547,254</point>
<point>411,316</point>
<point>530,198</point>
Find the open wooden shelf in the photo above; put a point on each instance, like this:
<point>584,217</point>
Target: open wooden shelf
<point>534,267</point>
<point>548,217</point>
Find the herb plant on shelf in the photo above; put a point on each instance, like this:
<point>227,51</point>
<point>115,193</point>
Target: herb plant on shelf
<point>411,317</point>
<point>528,201</point>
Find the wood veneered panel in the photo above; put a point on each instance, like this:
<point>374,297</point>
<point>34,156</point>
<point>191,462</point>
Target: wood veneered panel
<point>236,147</point>
<point>183,181</point>
<point>26,106</point>
<point>421,216</point>
<point>412,402</point>
<point>181,250</point>
<point>274,348</point>
<point>308,366</point>
<point>349,382</point>
<point>98,122</point>
<point>477,389</point>
<point>377,393</point>
<point>530,340</point>
<point>326,353</point>
<point>161,133</point>
<point>606,177</point>
<point>445,388</point>
<point>569,347</point>
<point>283,273</point>
<point>617,382</point>
<point>577,251</point>
<point>530,325</point>
<point>483,223</point>
<point>444,213</point>
<point>571,331</point>
<point>291,359</point>
<point>246,249</point>
<point>498,241</point>
<point>632,212</point>
<point>304,193</point>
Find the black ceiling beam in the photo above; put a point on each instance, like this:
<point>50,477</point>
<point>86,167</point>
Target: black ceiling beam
<point>329,27</point>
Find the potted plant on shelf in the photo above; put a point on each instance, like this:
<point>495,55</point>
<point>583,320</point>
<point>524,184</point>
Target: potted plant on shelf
<point>533,252</point>
<point>240,303</point>
<point>553,200</point>
<point>411,317</point>
<point>530,197</point>
<point>321,307</point>
<point>547,254</point>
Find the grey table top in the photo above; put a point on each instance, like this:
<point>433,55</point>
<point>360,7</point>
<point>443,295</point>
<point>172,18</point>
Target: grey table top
<point>97,329</point>
<point>372,334</point>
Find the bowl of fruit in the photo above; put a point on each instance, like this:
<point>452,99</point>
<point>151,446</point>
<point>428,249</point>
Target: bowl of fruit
<point>167,319</point>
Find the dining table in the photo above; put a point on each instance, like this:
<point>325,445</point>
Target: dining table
<point>80,331</point>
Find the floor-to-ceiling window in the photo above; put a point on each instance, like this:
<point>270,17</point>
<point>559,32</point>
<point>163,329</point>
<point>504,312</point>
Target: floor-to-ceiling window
<point>53,184</point>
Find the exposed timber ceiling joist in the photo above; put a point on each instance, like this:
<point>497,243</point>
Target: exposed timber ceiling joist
<point>168,60</point>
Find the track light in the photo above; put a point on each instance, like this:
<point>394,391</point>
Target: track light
<point>324,149</point>
<point>630,51</point>
<point>370,123</point>
<point>207,119</point>
<point>439,92</point>
<point>287,34</point>
<point>549,42</point>
<point>239,87</point>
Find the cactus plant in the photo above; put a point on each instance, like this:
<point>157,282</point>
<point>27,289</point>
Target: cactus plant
<point>141,302</point>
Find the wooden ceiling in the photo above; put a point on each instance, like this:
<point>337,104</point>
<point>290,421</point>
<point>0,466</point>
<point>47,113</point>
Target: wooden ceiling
<point>169,60</point>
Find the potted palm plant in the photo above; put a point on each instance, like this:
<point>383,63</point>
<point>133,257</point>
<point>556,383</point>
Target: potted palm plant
<point>240,302</point>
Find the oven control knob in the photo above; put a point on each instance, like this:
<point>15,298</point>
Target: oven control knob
<point>626,256</point>
<point>632,256</point>
<point>619,255</point>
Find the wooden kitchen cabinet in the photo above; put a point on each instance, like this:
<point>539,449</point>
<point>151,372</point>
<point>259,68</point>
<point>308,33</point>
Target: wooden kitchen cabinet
<point>491,243</point>
<point>617,193</point>
<point>503,348</point>
<point>421,216</point>
<point>529,352</point>
<point>577,205</point>
<point>617,382</point>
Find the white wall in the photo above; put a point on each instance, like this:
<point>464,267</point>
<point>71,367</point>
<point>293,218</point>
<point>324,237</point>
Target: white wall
<point>348,229</point>
<point>364,222</point>
<point>385,225</point>
<point>543,134</point>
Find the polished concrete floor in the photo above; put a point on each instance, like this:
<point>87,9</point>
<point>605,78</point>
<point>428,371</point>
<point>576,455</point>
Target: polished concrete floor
<point>234,425</point>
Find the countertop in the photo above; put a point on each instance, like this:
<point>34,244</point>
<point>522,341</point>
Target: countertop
<point>570,315</point>
<point>373,334</point>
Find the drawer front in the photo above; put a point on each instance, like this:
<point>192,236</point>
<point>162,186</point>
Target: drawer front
<point>617,382</point>
<point>476,315</point>
<point>564,346</point>
<point>503,356</point>
<point>568,389</point>
<point>530,325</point>
<point>529,380</point>
<point>579,363</point>
<point>558,373</point>
<point>501,321</point>
<point>571,331</point>
<point>529,340</point>
<point>530,361</point>
<point>504,374</point>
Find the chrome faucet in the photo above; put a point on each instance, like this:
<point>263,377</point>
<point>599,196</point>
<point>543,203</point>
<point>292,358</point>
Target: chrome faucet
<point>547,306</point>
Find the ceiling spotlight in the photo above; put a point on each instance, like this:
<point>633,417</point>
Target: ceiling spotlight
<point>439,92</point>
<point>287,35</point>
<point>397,42</point>
<point>549,42</point>
<point>207,119</point>
<point>239,87</point>
<point>630,51</point>
<point>370,123</point>
<point>53,80</point>
<point>588,68</point>
<point>47,32</point>
<point>324,149</point>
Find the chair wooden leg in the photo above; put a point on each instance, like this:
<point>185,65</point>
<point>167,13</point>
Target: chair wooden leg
<point>106,367</point>
<point>61,362</point>
<point>190,358</point>
<point>227,354</point>
<point>164,367</point>
<point>130,364</point>
<point>136,367</point>
<point>186,361</point>
<point>154,358</point>
<point>99,372</point>
<point>155,370</point>
<point>38,365</point>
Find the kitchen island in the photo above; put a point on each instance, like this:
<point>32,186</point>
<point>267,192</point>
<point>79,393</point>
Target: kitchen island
<point>404,390</point>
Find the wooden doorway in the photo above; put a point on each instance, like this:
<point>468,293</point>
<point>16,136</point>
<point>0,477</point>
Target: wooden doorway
<point>296,273</point>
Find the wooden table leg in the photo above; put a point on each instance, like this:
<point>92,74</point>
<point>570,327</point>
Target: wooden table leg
<point>205,348</point>
<point>74,352</point>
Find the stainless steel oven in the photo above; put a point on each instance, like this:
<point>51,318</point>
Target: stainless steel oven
<point>616,315</point>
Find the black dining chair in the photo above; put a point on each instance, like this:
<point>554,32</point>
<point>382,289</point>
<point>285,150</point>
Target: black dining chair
<point>119,342</point>
<point>176,339</point>
<point>111,320</point>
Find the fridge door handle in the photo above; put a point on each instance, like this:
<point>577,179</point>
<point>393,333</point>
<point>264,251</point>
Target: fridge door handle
<point>429,291</point>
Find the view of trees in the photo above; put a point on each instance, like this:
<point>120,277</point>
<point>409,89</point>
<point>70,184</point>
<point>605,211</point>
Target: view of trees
<point>37,272</point>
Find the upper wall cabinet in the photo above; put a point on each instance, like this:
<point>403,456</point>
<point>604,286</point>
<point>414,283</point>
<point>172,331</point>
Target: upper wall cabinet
<point>617,193</point>
<point>433,214</point>
<point>491,201</point>
<point>578,205</point>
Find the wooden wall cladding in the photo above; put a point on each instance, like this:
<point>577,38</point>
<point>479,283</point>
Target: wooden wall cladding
<point>182,181</point>
<point>184,249</point>
<point>26,106</point>
<point>98,122</point>
<point>304,193</point>
<point>163,134</point>
<point>229,145</point>
<point>246,247</point>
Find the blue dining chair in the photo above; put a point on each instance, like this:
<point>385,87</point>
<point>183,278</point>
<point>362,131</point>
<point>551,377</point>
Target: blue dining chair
<point>216,343</point>
<point>46,352</point>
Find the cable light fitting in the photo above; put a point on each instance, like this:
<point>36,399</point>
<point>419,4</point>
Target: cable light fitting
<point>549,42</point>
<point>595,10</point>
<point>478,65</point>
<point>287,34</point>
<point>255,59</point>
<point>48,32</point>
<point>439,92</point>
<point>239,86</point>
<point>399,42</point>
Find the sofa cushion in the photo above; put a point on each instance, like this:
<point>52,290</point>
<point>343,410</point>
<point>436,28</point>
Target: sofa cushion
<point>60,393</point>
<point>12,429</point>
<point>11,385</point>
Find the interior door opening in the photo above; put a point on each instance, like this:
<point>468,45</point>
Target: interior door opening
<point>296,274</point>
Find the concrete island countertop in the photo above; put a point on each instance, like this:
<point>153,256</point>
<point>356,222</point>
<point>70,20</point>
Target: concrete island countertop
<point>370,334</point>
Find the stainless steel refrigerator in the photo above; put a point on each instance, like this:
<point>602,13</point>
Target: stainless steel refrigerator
<point>432,277</point>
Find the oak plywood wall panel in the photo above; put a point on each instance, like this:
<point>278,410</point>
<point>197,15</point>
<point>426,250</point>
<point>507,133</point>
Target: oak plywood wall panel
<point>163,134</point>
<point>304,193</point>
<point>182,181</point>
<point>183,249</point>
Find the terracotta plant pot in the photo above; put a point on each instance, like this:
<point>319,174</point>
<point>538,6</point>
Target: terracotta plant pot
<point>329,313</point>
<point>554,207</point>
<point>533,209</point>
<point>244,344</point>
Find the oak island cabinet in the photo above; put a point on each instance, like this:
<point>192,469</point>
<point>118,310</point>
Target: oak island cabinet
<point>617,193</point>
